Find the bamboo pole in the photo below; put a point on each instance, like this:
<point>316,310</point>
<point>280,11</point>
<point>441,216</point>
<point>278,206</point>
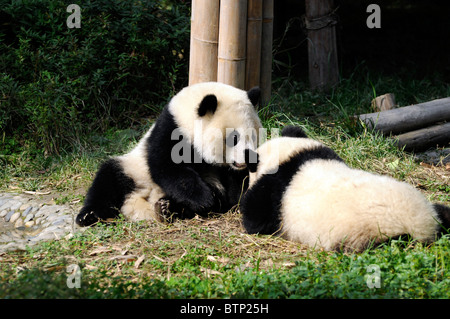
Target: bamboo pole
<point>204,41</point>
<point>232,42</point>
<point>322,48</point>
<point>254,33</point>
<point>266,52</point>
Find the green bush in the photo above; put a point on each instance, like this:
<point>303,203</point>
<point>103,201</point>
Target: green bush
<point>127,58</point>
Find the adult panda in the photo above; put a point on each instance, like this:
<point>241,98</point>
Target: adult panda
<point>302,190</point>
<point>191,161</point>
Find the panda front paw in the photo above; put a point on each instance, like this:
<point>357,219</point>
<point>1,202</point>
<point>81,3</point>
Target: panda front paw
<point>170,210</point>
<point>162,209</point>
<point>87,217</point>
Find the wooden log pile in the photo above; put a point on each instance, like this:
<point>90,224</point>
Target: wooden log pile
<point>415,127</point>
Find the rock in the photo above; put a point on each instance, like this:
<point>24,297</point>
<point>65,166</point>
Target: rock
<point>6,205</point>
<point>27,210</point>
<point>24,206</point>
<point>14,217</point>
<point>29,223</point>
<point>28,218</point>
<point>58,222</point>
<point>16,205</point>
<point>19,223</point>
<point>8,216</point>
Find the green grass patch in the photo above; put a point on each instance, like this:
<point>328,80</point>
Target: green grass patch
<point>204,259</point>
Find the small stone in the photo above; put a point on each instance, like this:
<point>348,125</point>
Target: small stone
<point>28,217</point>
<point>6,205</point>
<point>8,216</point>
<point>3,213</point>
<point>29,223</point>
<point>19,223</point>
<point>14,217</point>
<point>46,236</point>
<point>27,210</point>
<point>24,206</point>
<point>58,222</point>
<point>16,206</point>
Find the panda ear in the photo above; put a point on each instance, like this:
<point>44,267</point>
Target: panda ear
<point>293,131</point>
<point>252,160</point>
<point>254,94</point>
<point>208,104</point>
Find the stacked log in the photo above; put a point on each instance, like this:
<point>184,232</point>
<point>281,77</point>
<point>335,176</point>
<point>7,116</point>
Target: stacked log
<point>415,127</point>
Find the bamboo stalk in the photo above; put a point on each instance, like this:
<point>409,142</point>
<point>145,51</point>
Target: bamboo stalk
<point>254,34</point>
<point>232,42</point>
<point>204,41</point>
<point>266,52</point>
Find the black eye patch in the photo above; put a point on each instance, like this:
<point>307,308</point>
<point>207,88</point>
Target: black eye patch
<point>232,139</point>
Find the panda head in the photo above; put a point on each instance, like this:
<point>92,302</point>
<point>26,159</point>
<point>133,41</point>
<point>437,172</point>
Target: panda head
<point>277,151</point>
<point>219,120</point>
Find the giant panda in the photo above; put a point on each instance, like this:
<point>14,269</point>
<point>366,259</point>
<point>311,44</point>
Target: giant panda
<point>303,190</point>
<point>191,161</point>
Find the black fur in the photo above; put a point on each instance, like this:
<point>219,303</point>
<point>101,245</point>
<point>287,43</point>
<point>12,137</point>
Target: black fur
<point>260,206</point>
<point>293,131</point>
<point>106,195</point>
<point>183,183</point>
<point>254,95</point>
<point>444,214</point>
<point>252,160</point>
<point>208,104</point>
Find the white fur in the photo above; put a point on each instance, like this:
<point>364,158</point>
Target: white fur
<point>330,205</point>
<point>234,110</point>
<point>276,151</point>
<point>140,204</point>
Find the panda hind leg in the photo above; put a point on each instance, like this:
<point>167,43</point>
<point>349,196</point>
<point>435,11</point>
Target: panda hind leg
<point>89,216</point>
<point>106,195</point>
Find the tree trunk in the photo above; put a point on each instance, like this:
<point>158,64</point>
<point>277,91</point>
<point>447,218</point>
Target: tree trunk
<point>266,52</point>
<point>254,32</point>
<point>322,49</point>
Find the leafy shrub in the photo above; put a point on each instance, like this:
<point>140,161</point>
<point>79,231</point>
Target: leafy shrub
<point>126,59</point>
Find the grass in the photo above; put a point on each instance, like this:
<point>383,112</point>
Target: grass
<point>214,258</point>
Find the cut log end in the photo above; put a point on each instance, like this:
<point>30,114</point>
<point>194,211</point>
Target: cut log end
<point>423,139</point>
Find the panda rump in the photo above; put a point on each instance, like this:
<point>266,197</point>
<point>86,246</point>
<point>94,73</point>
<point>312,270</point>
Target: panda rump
<point>316,199</point>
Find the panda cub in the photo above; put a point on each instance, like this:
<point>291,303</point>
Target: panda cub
<point>191,161</point>
<point>302,190</point>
